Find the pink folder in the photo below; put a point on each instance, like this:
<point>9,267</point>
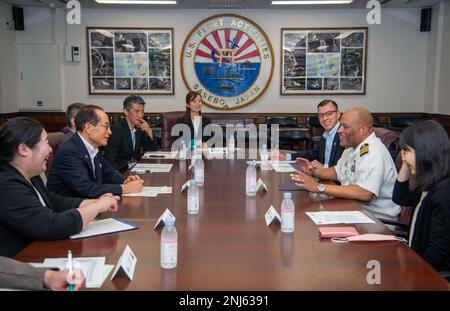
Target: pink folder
<point>337,232</point>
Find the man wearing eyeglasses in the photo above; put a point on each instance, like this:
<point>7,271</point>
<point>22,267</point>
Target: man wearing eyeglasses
<point>130,135</point>
<point>79,170</point>
<point>366,170</point>
<point>328,150</point>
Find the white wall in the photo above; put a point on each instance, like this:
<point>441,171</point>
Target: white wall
<point>397,54</point>
<point>8,64</point>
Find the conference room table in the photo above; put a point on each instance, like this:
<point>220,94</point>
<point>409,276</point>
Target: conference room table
<point>228,246</point>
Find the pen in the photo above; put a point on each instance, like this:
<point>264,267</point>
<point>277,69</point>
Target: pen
<point>70,263</point>
<point>155,156</point>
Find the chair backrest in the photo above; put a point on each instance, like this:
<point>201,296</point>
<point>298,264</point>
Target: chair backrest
<point>169,119</point>
<point>54,140</point>
<point>388,138</point>
<point>404,121</point>
<point>315,126</point>
<point>376,121</point>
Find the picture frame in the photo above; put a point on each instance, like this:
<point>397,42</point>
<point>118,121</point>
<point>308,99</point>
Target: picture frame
<point>323,61</point>
<point>128,60</point>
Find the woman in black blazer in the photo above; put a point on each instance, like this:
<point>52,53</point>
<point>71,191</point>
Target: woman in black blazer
<point>425,150</point>
<point>194,119</point>
<point>29,212</point>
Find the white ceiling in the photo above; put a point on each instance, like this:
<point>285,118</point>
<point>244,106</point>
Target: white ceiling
<point>226,4</point>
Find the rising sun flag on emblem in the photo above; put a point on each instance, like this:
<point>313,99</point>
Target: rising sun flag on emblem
<point>227,62</point>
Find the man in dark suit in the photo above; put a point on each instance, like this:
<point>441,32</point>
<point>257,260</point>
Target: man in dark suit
<point>328,150</point>
<point>129,136</point>
<point>71,113</point>
<point>79,170</point>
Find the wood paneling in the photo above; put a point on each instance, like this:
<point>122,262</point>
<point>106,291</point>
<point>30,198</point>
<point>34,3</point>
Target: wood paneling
<point>55,121</point>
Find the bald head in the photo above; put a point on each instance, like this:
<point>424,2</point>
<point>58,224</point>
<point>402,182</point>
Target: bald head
<point>356,126</point>
<point>360,115</point>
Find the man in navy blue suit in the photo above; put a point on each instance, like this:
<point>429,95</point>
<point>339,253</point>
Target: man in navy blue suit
<point>328,150</point>
<point>129,136</point>
<point>79,170</point>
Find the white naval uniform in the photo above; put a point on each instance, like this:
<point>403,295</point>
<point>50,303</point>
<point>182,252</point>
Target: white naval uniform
<point>374,171</point>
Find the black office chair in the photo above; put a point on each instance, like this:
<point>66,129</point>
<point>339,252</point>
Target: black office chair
<point>376,121</point>
<point>291,136</point>
<point>282,121</point>
<point>398,123</point>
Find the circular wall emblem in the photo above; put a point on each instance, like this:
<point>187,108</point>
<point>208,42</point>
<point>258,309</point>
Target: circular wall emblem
<point>228,59</point>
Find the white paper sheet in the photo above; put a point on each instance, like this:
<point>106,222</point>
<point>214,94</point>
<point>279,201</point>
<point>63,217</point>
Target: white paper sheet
<point>103,226</point>
<point>282,167</point>
<point>153,167</point>
<point>94,269</point>
<point>339,217</point>
<point>150,192</point>
<point>160,155</point>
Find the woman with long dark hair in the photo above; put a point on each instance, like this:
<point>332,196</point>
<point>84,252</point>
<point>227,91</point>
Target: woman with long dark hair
<point>424,183</point>
<point>194,118</point>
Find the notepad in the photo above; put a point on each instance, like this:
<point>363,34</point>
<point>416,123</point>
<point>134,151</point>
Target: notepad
<point>104,226</point>
<point>337,232</point>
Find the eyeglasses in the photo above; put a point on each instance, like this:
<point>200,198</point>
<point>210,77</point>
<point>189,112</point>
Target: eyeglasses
<point>326,114</point>
<point>106,125</point>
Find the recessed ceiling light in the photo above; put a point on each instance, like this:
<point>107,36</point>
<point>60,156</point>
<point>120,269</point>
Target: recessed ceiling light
<point>136,1</point>
<point>295,2</point>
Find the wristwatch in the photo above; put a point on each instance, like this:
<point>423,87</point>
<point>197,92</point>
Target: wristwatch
<point>321,188</point>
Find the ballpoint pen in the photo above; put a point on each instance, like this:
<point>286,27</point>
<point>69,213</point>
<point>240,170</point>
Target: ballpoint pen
<point>70,264</point>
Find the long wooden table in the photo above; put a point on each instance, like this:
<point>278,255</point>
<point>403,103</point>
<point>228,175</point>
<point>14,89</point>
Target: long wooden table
<point>228,246</point>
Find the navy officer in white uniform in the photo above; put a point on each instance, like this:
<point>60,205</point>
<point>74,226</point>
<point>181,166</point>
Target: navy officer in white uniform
<point>366,170</point>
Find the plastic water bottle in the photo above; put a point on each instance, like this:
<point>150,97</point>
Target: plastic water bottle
<point>169,244</point>
<point>276,153</point>
<point>231,144</point>
<point>183,151</point>
<point>199,171</point>
<point>193,198</point>
<point>287,213</point>
<point>264,155</point>
<point>199,149</point>
<point>250,177</point>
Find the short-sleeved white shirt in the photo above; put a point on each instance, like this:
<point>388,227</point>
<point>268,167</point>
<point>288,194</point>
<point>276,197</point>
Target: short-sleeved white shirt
<point>374,171</point>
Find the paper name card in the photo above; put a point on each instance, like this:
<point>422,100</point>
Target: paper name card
<point>272,216</point>
<point>185,185</point>
<point>104,226</point>
<point>126,263</point>
<point>167,214</point>
<point>339,217</point>
<point>261,185</point>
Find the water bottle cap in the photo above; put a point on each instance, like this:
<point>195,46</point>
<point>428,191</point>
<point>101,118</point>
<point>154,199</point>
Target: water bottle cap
<point>169,221</point>
<point>288,195</point>
<point>193,182</point>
